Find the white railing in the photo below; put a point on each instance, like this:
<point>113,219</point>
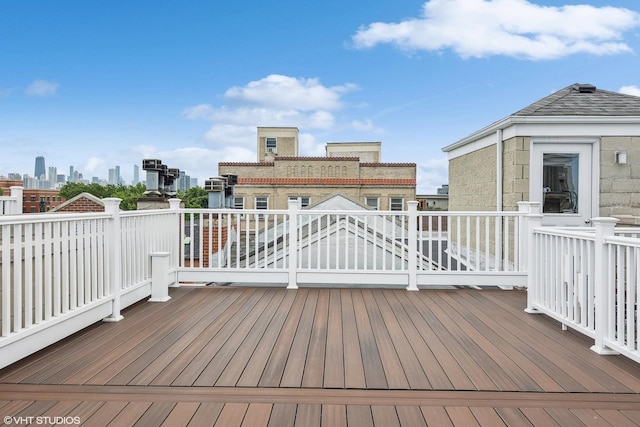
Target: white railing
<point>589,280</point>
<point>622,266</point>
<point>62,272</point>
<point>396,248</point>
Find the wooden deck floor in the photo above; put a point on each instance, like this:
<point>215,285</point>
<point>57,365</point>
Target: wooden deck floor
<point>324,357</point>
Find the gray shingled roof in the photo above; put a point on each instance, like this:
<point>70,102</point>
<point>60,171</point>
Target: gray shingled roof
<point>583,100</point>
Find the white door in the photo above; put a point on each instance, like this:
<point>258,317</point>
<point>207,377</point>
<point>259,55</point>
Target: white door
<point>561,179</point>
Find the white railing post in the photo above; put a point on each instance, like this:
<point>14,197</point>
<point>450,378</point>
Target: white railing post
<point>174,205</point>
<point>293,244</point>
<point>160,277</point>
<point>112,206</point>
<point>413,245</point>
<point>524,209</point>
<point>534,220</point>
<point>16,194</point>
<point>603,302</point>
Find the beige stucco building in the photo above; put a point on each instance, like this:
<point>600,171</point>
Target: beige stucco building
<point>576,151</point>
<point>353,170</point>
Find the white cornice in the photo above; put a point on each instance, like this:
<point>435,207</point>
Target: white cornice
<point>542,120</point>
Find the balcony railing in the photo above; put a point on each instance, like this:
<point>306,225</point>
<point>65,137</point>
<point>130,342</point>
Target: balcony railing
<point>62,272</point>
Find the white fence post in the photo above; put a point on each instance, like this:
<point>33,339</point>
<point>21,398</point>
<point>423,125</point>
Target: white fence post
<point>604,305</point>
<point>112,206</point>
<point>293,244</point>
<point>160,277</point>
<point>413,245</point>
<point>534,220</point>
<point>174,205</point>
<point>525,208</point>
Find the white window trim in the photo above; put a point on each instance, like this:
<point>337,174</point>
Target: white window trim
<point>235,203</point>
<point>268,149</point>
<point>255,202</point>
<point>377,207</point>
<point>391,205</point>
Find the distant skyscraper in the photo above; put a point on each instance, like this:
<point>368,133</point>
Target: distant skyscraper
<point>70,178</point>
<point>112,176</point>
<point>40,169</point>
<point>118,178</point>
<point>136,174</point>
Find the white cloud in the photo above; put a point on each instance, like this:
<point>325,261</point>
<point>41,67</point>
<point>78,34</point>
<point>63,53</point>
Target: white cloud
<point>630,90</point>
<point>283,92</point>
<point>42,88</point>
<point>94,164</point>
<point>202,111</point>
<point>431,174</point>
<point>365,125</point>
<point>310,146</point>
<point>275,100</point>
<point>516,28</point>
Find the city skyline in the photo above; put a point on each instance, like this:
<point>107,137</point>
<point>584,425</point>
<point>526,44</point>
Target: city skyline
<point>51,179</point>
<point>191,82</point>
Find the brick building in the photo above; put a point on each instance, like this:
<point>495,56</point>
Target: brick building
<point>34,200</point>
<point>83,202</point>
<point>280,174</point>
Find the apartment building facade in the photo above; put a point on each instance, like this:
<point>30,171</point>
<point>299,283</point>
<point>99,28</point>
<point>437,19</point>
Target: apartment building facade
<point>350,169</point>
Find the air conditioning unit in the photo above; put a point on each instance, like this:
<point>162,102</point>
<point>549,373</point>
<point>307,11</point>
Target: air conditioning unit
<point>214,185</point>
<point>151,164</point>
<point>271,150</point>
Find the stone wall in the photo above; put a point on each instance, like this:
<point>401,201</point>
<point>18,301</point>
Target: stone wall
<point>472,181</point>
<point>515,172</point>
<point>620,183</point>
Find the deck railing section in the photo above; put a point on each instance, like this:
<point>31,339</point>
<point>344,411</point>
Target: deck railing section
<point>396,248</point>
<point>62,272</point>
<point>623,288</point>
<point>589,280</point>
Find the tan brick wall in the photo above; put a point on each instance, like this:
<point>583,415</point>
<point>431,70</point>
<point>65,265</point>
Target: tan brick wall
<point>250,170</point>
<point>515,172</point>
<point>472,181</point>
<point>329,168</point>
<point>279,195</point>
<point>383,170</point>
<point>620,183</point>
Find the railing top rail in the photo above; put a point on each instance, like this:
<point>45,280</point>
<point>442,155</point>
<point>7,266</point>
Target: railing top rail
<point>50,217</point>
<point>623,241</point>
<point>235,211</point>
<point>147,212</point>
<point>583,233</point>
<point>627,230</point>
<point>470,213</point>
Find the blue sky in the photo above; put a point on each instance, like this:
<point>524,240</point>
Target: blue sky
<point>96,84</point>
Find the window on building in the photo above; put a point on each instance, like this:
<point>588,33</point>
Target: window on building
<point>238,202</point>
<point>304,200</point>
<point>396,203</point>
<point>271,143</point>
<point>33,198</point>
<point>262,202</point>
<point>33,209</point>
<point>372,202</point>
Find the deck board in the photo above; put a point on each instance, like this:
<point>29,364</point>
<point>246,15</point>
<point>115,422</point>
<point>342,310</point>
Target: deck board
<point>314,357</point>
